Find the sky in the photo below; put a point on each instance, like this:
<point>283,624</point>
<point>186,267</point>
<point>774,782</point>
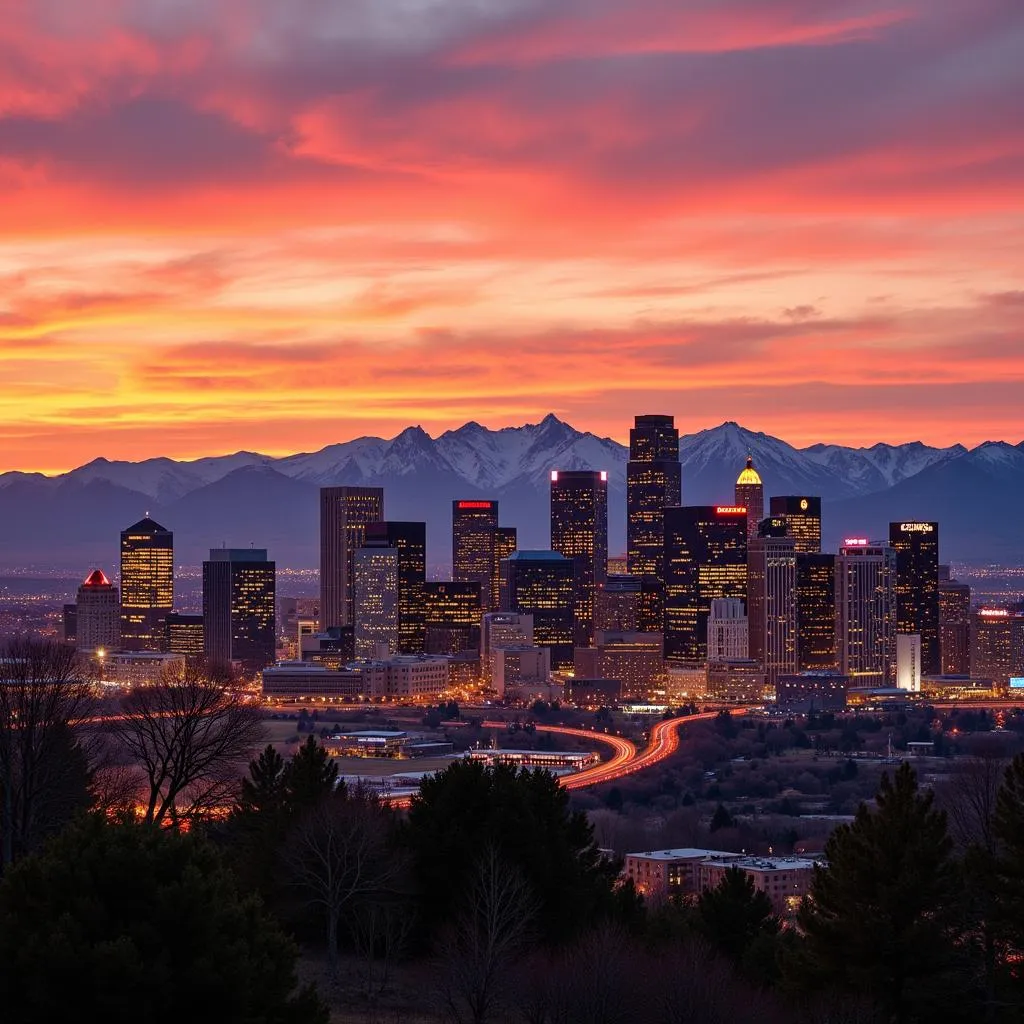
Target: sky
<point>273,226</point>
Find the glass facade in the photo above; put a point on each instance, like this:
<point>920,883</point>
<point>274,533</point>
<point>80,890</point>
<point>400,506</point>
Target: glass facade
<point>474,547</point>
<point>653,483</point>
<point>344,513</point>
<point>866,614</point>
<point>815,612</point>
<point>542,584</point>
<point>239,586</point>
<point>410,541</point>
<point>147,584</point>
<point>917,587</point>
<point>802,515</point>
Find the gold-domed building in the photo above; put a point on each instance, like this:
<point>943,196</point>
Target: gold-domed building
<point>750,494</point>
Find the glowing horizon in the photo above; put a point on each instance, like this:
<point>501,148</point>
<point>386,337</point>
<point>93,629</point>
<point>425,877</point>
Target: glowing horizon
<point>276,227</point>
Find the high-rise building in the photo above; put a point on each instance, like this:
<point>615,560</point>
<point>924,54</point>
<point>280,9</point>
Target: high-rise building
<point>410,541</point>
<point>184,635</point>
<point>579,530</point>
<point>705,558</point>
<point>633,659</point>
<point>802,515</point>
<point>542,584</point>
<point>908,662</point>
<point>771,607</point>
<point>375,601</point>
<point>632,604</point>
<point>917,587</point>
<point>474,543</point>
<point>344,513</point>
<point>728,630</point>
<point>954,626</point>
<point>653,483</point>
<point>750,494</point>
<point>506,540</point>
<point>98,614</point>
<point>239,587</point>
<point>503,629</point>
<point>866,612</point>
<point>997,645</point>
<point>816,612</point>
<point>147,584</point>
<point>453,615</point>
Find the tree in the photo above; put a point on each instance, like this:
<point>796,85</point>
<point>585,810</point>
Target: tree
<point>45,764</point>
<point>310,775</point>
<point>880,916</point>
<point>1008,830</point>
<point>188,735</point>
<point>133,923</point>
<point>721,818</point>
<point>734,915</point>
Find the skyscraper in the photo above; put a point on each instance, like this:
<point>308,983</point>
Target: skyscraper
<point>453,616</point>
<point>802,514</point>
<point>542,584</point>
<point>344,513</point>
<point>185,635</point>
<point>917,587</point>
<point>375,600</point>
<point>705,558</point>
<point>728,630</point>
<point>815,612</point>
<point>98,614</point>
<point>653,483</point>
<point>410,541</point>
<point>955,627</point>
<point>239,586</point>
<point>506,540</point>
<point>771,564</point>
<point>866,612</point>
<point>579,530</point>
<point>997,645</point>
<point>474,545</point>
<point>750,494</point>
<point>147,584</point>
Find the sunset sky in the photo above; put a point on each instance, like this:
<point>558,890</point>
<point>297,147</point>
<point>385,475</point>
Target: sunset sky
<point>277,224</point>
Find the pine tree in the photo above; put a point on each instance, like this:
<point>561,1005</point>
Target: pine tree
<point>310,776</point>
<point>734,914</point>
<point>264,791</point>
<point>721,818</point>
<point>879,919</point>
<point>1008,827</point>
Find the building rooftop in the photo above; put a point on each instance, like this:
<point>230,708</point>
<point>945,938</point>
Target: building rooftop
<point>537,556</point>
<point>97,578</point>
<point>687,853</point>
<point>147,525</point>
<point>763,863</point>
<point>749,474</point>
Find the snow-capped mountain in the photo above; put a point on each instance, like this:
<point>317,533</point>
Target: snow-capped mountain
<point>248,497</point>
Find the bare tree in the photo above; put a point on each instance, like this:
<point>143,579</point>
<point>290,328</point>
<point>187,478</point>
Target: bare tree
<point>337,855</point>
<point>187,735</point>
<point>479,951</point>
<point>45,695</point>
<point>380,930</point>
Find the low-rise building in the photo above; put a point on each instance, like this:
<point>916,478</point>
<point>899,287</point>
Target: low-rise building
<point>140,668</point>
<point>784,880</point>
<point>412,678</point>
<point>739,679</point>
<point>658,874</point>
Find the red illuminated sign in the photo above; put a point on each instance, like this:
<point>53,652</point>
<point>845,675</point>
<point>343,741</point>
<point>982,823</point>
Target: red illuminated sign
<point>730,510</point>
<point>856,542</point>
<point>994,613</point>
<point>475,504</point>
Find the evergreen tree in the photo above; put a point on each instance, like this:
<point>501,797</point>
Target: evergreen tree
<point>264,791</point>
<point>721,818</point>
<point>879,919</point>
<point>734,915</point>
<point>1008,828</point>
<point>310,776</point>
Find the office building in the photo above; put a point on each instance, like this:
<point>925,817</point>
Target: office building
<point>129,669</point>
<point>579,530</point>
<point>772,608</point>
<point>517,665</point>
<point>147,584</point>
<point>184,635</point>
<point>97,614</point>
<point>344,513</point>
<point>997,645</point>
<point>335,647</point>
<point>542,584</point>
<point>816,612</point>
<point>728,630</point>
<point>408,679</point>
<point>954,626</point>
<point>629,604</point>
<point>653,483</point>
<point>917,586</point>
<point>292,610</point>
<point>503,629</point>
<point>908,662</point>
<point>750,494</point>
<point>866,612</point>
<point>453,615</point>
<point>739,680</point>
<point>632,659</point>
<point>705,558</point>
<point>804,692</point>
<point>375,601</point>
<point>410,541</point>
<point>802,517</point>
<point>239,586</point>
<point>474,548</point>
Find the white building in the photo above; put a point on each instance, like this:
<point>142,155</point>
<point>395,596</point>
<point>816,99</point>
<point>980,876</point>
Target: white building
<point>141,668</point>
<point>411,678</point>
<point>908,661</point>
<point>98,614</point>
<point>866,612</point>
<point>514,665</point>
<point>728,630</point>
<point>503,629</point>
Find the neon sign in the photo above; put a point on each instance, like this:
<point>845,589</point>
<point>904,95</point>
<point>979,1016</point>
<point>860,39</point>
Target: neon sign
<point>917,528</point>
<point>856,542</point>
<point>475,504</point>
<point>730,510</point>
<point>994,613</point>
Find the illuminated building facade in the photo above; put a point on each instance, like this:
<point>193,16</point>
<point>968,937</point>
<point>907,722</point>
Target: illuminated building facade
<point>147,584</point>
<point>816,612</point>
<point>515,665</point>
<point>728,630</point>
<point>503,629</point>
<point>344,513</point>
<point>705,558</point>
<point>653,483</point>
<point>474,547</point>
<point>771,606</point>
<point>184,634</point>
<point>917,587</point>
<point>506,540</point>
<point>629,603</point>
<point>802,516</point>
<point>955,627</point>
<point>866,612</point>
<point>811,691</point>
<point>453,616</point>
<point>375,598</point>
<point>997,645</point>
<point>410,541</point>
<point>633,659</point>
<point>750,494</point>
<point>579,530</point>
<point>98,614</point>
<point>542,584</point>
<point>239,587</point>
<point>737,680</point>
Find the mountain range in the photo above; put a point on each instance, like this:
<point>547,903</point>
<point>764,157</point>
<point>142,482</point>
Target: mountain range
<point>72,521</point>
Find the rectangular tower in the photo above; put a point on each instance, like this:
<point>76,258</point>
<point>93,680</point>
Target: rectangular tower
<point>474,546</point>
<point>344,513</point>
<point>815,612</point>
<point>771,564</point>
<point>542,584</point>
<point>653,483</point>
<point>238,607</point>
<point>147,584</point>
<point>917,587</point>
<point>866,612</point>
<point>375,600</point>
<point>802,515</point>
<point>410,541</point>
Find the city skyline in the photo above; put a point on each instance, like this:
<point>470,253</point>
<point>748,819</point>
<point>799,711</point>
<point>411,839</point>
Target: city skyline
<point>223,233</point>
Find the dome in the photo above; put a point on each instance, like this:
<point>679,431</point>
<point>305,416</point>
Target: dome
<point>749,475</point>
<point>97,578</point>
